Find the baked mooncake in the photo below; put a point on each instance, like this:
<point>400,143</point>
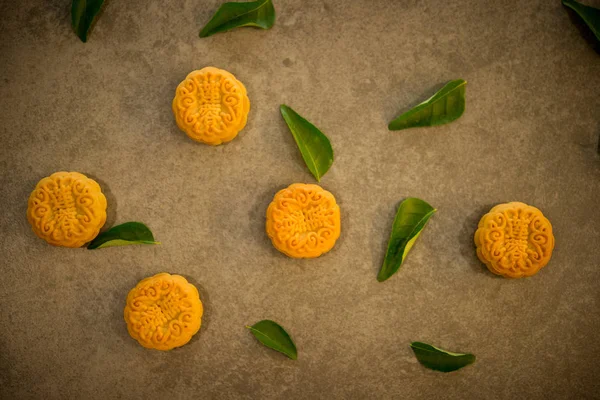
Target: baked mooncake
<point>303,221</point>
<point>67,209</point>
<point>211,106</point>
<point>514,240</point>
<point>163,311</point>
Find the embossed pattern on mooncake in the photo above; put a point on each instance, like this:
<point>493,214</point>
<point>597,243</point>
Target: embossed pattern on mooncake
<point>67,209</point>
<point>163,311</point>
<point>514,240</point>
<point>211,106</point>
<point>303,221</point>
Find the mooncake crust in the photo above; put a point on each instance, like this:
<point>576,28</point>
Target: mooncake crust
<point>163,311</point>
<point>514,240</point>
<point>67,209</point>
<point>211,106</point>
<point>303,221</point>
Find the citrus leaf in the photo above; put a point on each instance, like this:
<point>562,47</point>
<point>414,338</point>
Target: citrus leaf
<point>313,144</point>
<point>411,218</point>
<point>445,106</point>
<point>272,335</point>
<point>440,360</point>
<point>83,13</point>
<point>590,15</point>
<point>259,14</point>
<point>123,235</point>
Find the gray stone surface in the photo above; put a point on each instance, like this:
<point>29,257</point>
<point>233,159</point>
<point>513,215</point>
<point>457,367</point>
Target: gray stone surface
<point>530,133</point>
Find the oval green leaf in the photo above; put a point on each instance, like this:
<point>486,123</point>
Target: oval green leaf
<point>589,15</point>
<point>83,13</point>
<point>445,106</point>
<point>314,146</point>
<point>272,335</point>
<point>440,360</point>
<point>411,218</point>
<point>123,235</point>
<point>259,14</point>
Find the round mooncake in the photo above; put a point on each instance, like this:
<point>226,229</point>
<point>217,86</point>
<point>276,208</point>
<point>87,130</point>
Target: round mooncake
<point>303,221</point>
<point>67,209</point>
<point>211,106</point>
<point>514,240</point>
<point>163,311</point>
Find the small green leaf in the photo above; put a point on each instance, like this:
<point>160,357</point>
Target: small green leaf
<point>123,235</point>
<point>411,217</point>
<point>445,106</point>
<point>590,15</point>
<point>259,14</point>
<point>272,335</point>
<point>313,144</point>
<point>440,360</point>
<point>83,13</point>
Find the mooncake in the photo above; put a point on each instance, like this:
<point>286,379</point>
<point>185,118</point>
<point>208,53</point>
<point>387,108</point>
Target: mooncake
<point>211,106</point>
<point>514,240</point>
<point>163,311</point>
<point>67,209</point>
<point>303,221</point>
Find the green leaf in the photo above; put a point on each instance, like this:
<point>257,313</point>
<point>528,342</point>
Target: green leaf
<point>259,14</point>
<point>440,360</point>
<point>313,144</point>
<point>272,335</point>
<point>411,217</point>
<point>445,106</point>
<point>590,15</point>
<point>83,13</point>
<point>123,235</point>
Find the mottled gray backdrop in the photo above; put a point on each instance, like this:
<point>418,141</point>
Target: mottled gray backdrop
<point>530,133</point>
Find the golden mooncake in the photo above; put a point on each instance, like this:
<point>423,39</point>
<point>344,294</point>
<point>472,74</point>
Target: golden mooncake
<point>514,240</point>
<point>163,311</point>
<point>211,106</point>
<point>303,221</point>
<point>67,209</point>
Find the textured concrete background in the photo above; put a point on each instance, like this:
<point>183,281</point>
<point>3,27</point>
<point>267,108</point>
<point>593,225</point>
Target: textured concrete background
<point>530,133</point>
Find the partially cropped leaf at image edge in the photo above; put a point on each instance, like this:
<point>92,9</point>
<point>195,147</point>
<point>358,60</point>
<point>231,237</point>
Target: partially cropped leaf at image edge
<point>83,13</point>
<point>257,14</point>
<point>589,15</point>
